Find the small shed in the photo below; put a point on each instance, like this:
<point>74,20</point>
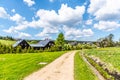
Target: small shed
<point>21,43</point>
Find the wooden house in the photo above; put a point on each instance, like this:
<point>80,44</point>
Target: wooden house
<point>40,45</point>
<point>74,43</point>
<point>21,43</point>
<point>43,44</point>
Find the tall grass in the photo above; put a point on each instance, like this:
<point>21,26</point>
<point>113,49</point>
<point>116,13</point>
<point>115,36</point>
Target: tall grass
<point>111,56</point>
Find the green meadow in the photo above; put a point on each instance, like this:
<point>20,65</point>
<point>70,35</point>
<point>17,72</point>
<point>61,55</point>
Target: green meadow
<point>17,66</point>
<point>111,56</point>
<point>7,42</point>
<point>82,70</point>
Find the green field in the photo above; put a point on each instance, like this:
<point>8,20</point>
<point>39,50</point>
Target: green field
<point>17,66</point>
<point>111,56</point>
<point>82,70</point>
<point>7,42</point>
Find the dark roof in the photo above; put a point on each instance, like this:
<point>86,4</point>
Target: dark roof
<point>73,43</point>
<point>36,45</point>
<point>17,43</point>
<point>44,42</point>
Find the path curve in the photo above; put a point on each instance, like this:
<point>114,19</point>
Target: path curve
<point>95,71</point>
<point>60,69</point>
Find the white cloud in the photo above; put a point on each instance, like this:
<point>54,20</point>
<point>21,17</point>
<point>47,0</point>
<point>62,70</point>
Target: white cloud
<point>17,18</point>
<point>18,34</point>
<point>105,9</point>
<point>87,32</point>
<point>106,25</point>
<point>13,10</point>
<point>74,33</point>
<point>49,20</point>
<point>47,31</point>
<point>19,27</point>
<point>89,22</point>
<point>65,16</point>
<point>67,13</point>
<point>23,35</point>
<point>29,2</point>
<point>3,13</point>
<point>95,5</point>
<point>10,30</point>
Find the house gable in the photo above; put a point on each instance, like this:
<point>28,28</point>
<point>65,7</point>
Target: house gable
<point>21,43</point>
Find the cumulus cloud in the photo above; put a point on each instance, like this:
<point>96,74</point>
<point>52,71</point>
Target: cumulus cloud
<point>66,15</point>
<point>29,2</point>
<point>13,10</point>
<point>23,35</point>
<point>89,22</point>
<point>106,25</point>
<point>74,33</point>
<point>3,13</point>
<point>21,24</point>
<point>47,32</point>
<point>106,13</point>
<point>51,22</point>
<point>10,30</point>
<point>105,9</point>
<point>18,33</point>
<point>17,18</point>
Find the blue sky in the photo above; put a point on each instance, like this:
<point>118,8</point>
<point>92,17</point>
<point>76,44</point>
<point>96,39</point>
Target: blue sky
<point>86,20</point>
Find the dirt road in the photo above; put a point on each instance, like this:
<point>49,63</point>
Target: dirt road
<point>60,69</point>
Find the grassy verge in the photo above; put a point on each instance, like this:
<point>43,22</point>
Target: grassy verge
<point>17,66</point>
<point>82,70</point>
<point>100,69</point>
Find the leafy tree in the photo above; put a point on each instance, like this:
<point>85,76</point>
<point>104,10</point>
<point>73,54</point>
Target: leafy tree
<point>110,40</point>
<point>60,41</point>
<point>107,41</point>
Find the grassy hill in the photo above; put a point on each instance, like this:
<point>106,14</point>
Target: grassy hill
<point>7,42</point>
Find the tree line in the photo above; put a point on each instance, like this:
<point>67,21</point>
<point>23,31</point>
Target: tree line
<point>7,38</point>
<point>107,41</point>
<point>60,45</point>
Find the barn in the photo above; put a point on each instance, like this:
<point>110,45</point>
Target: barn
<point>21,43</point>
